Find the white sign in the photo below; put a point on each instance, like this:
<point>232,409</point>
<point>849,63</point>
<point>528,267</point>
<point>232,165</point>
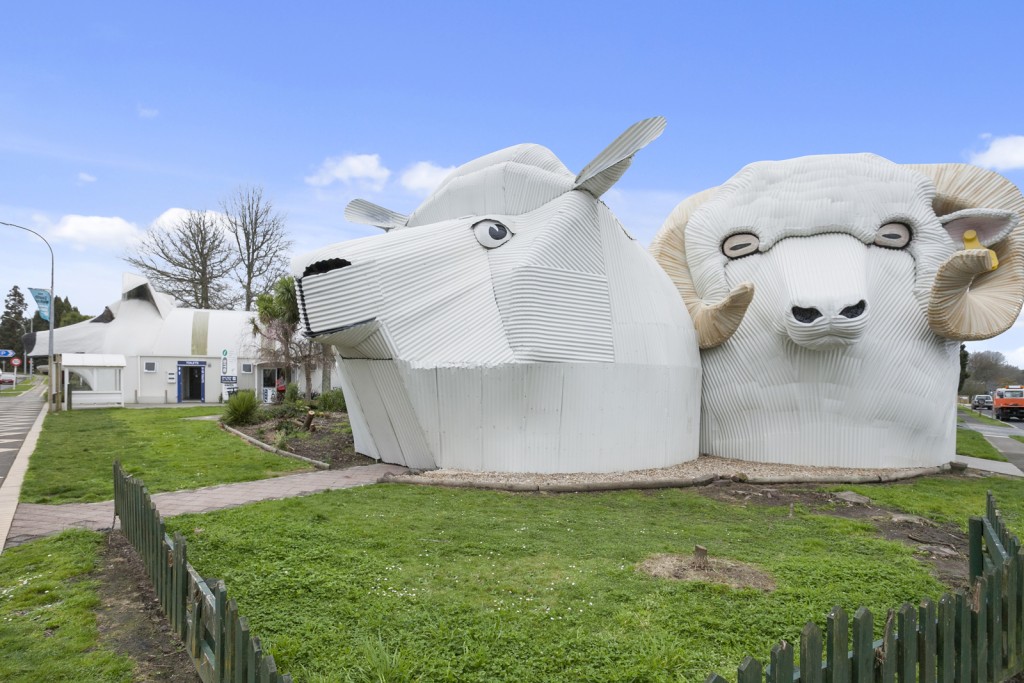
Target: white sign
<point>15,362</point>
<point>228,362</point>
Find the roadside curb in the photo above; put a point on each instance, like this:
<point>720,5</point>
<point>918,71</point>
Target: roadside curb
<point>277,451</point>
<point>10,489</point>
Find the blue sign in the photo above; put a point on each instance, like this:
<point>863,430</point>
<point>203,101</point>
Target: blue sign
<point>6,353</point>
<point>191,362</point>
<point>42,297</point>
<point>229,379</point>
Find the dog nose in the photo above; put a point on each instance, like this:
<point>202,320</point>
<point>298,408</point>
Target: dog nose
<point>806,315</point>
<point>854,311</point>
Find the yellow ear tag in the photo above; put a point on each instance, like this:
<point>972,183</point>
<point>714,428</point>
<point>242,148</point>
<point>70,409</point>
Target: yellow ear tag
<point>971,241</point>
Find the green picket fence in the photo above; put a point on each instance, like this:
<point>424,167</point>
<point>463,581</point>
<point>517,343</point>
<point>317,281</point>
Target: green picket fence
<point>967,638</point>
<point>215,636</point>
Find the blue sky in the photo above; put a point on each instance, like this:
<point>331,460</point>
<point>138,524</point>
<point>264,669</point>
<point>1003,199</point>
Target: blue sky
<point>114,114</point>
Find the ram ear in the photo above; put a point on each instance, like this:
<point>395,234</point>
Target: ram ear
<point>368,213</point>
<point>599,175</point>
<point>991,225</point>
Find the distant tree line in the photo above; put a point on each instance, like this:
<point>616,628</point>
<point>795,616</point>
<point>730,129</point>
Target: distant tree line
<point>987,370</point>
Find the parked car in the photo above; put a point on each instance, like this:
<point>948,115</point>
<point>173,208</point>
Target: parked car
<point>6,378</point>
<point>982,402</point>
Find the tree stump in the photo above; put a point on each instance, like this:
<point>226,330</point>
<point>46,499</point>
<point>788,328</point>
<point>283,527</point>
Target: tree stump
<point>308,421</point>
<point>700,558</point>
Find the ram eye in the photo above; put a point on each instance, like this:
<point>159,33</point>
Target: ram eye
<point>743,244</point>
<point>491,234</point>
<point>893,235</point>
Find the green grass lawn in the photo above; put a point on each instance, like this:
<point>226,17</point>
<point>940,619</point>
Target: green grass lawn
<point>981,417</point>
<point>399,583</point>
<point>972,443</point>
<point>74,457</point>
<point>47,614</point>
<point>23,385</point>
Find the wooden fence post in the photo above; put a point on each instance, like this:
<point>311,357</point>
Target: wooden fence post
<point>749,671</point>
<point>863,646</point>
<point>926,640</point>
<point>810,654</point>
<point>946,636</point>
<point>837,646</point>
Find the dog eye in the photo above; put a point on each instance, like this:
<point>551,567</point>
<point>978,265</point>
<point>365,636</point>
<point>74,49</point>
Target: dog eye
<point>743,244</point>
<point>893,235</point>
<point>491,234</point>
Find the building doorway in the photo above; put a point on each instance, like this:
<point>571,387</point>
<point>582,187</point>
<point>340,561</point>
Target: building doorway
<point>191,381</point>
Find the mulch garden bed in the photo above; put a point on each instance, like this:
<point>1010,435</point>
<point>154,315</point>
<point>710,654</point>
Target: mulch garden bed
<point>329,440</point>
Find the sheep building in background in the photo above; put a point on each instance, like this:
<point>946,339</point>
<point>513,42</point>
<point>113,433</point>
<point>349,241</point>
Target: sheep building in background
<point>830,295</point>
<point>509,324</point>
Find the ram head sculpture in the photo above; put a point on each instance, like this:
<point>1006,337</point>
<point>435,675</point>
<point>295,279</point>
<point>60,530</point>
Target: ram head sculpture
<point>509,324</point>
<point>830,295</point>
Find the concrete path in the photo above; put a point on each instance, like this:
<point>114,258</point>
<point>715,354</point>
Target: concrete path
<point>33,521</point>
<point>999,437</point>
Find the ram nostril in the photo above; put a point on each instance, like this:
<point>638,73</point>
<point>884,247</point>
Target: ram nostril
<point>325,266</point>
<point>854,311</point>
<point>806,315</point>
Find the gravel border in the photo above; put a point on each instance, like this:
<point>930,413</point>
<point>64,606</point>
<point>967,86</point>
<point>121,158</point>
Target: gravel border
<point>700,472</point>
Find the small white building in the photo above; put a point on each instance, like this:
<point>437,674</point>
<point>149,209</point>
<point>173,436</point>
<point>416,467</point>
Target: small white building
<point>167,354</point>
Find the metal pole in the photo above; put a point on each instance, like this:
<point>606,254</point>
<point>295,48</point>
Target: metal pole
<point>50,401</point>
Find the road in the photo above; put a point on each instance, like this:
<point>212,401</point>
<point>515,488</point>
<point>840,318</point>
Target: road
<point>17,414</point>
<point>999,436</point>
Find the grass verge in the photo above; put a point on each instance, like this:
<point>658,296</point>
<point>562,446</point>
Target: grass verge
<point>23,385</point>
<point>973,444</point>
<point>398,582</point>
<point>984,419</point>
<point>73,460</point>
<point>47,613</point>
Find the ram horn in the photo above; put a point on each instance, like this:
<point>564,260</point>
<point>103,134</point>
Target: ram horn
<point>715,321</point>
<point>969,299</point>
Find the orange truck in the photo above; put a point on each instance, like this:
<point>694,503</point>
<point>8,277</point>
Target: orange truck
<point>1008,402</point>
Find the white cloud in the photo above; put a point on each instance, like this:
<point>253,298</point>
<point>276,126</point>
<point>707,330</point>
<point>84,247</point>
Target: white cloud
<point>1015,357</point>
<point>1003,154</point>
<point>423,176</point>
<point>147,112</point>
<point>84,178</point>
<point>104,232</point>
<point>363,170</point>
<point>172,217</point>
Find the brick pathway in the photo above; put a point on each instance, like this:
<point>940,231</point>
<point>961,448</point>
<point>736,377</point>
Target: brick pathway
<point>34,521</point>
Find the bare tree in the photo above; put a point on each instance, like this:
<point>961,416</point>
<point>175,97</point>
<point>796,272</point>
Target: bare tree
<point>260,240</point>
<point>191,260</point>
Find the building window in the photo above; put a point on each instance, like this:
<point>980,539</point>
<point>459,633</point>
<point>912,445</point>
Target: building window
<point>149,366</point>
<point>247,368</point>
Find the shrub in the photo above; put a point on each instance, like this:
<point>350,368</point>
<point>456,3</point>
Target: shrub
<point>241,408</point>
<point>280,411</point>
<point>291,393</point>
<point>332,401</point>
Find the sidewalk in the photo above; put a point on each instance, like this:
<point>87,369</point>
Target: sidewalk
<point>33,521</point>
<point>999,437</point>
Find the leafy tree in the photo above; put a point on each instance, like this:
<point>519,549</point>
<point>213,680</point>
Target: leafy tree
<point>63,312</point>
<point>277,326</point>
<point>260,241</point>
<point>13,324</point>
<point>964,355</point>
<point>191,260</point>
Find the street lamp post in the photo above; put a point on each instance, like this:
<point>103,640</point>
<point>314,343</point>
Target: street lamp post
<point>50,400</point>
